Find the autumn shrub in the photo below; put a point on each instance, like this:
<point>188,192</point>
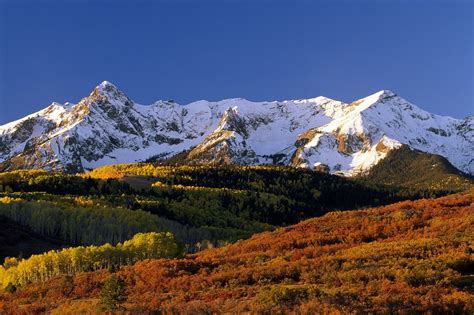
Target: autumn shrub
<point>281,295</point>
<point>67,285</point>
<point>417,264</point>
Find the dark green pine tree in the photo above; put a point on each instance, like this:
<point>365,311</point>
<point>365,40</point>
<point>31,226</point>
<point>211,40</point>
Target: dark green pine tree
<point>113,293</point>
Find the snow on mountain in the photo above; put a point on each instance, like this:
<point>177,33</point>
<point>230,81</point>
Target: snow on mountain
<point>374,125</point>
<point>108,127</point>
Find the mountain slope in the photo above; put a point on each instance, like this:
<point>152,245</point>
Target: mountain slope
<point>108,127</point>
<point>409,257</point>
<point>406,167</point>
<point>377,124</point>
<point>19,241</point>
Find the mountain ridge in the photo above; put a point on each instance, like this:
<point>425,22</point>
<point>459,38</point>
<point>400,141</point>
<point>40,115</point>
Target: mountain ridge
<point>108,127</point>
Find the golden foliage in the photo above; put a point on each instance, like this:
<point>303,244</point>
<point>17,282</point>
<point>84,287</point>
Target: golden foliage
<point>408,257</point>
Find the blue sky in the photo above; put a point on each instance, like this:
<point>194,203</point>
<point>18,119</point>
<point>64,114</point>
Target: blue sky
<point>260,50</point>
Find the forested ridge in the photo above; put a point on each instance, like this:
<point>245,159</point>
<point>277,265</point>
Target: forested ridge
<point>406,167</point>
<point>199,205</point>
<point>408,257</point>
<point>281,195</point>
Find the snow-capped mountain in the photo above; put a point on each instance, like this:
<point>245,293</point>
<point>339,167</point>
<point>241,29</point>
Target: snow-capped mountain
<point>108,127</point>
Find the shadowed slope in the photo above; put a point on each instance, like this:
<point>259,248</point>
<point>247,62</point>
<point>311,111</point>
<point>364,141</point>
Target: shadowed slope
<point>406,167</point>
<point>17,240</point>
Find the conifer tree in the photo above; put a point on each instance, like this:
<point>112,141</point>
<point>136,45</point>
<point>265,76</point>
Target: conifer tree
<point>113,293</point>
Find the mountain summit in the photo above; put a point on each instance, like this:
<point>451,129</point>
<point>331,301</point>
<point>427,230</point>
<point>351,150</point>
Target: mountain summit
<point>108,127</point>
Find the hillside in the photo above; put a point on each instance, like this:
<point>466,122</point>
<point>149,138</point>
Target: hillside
<point>195,203</point>
<point>108,127</point>
<point>409,257</point>
<point>406,167</point>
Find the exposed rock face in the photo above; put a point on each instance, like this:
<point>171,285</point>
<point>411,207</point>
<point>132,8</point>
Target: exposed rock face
<point>330,136</point>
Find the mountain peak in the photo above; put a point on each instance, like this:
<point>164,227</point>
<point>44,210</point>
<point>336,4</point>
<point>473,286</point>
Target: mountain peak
<point>106,87</point>
<point>106,83</point>
<point>385,93</point>
<point>318,99</point>
<point>108,92</point>
<point>380,95</point>
<point>374,98</point>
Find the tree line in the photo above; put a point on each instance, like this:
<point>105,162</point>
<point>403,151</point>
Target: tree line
<point>79,225</point>
<point>70,261</point>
